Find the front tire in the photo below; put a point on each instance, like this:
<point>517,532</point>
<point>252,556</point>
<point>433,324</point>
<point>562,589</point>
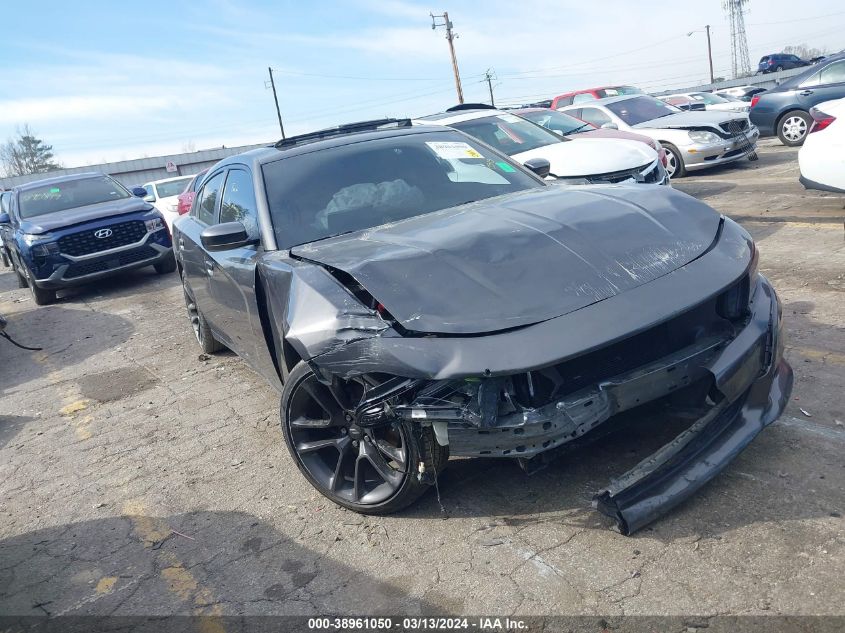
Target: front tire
<point>794,127</point>
<point>674,161</point>
<point>370,470</point>
<point>41,296</point>
<point>166,267</point>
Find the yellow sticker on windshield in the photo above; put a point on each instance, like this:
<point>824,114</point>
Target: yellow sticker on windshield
<point>453,149</point>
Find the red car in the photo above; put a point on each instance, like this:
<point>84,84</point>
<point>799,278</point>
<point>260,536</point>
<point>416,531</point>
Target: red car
<point>591,94</point>
<point>186,198</point>
<point>567,125</point>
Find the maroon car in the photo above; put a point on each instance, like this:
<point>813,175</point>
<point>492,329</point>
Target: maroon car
<point>186,198</point>
<point>567,125</point>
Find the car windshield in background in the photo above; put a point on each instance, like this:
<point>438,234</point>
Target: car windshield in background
<point>708,98</point>
<point>508,133</point>
<point>69,195</point>
<point>641,109</point>
<point>618,91</point>
<point>363,185</point>
<point>173,187</point>
<point>558,121</point>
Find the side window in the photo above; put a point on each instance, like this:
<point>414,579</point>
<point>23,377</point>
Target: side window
<point>581,98</point>
<point>151,192</point>
<point>239,202</point>
<point>594,116</point>
<point>205,209</point>
<point>563,101</point>
<point>833,74</point>
<point>812,80</point>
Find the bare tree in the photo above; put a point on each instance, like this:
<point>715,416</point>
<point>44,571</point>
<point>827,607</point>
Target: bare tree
<point>26,154</point>
<point>804,52</point>
<point>188,147</point>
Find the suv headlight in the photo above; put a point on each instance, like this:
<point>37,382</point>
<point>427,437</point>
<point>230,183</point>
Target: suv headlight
<point>154,225</point>
<point>700,136</point>
<point>41,245</point>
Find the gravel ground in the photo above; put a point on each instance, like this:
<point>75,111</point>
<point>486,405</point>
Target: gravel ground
<point>137,478</point>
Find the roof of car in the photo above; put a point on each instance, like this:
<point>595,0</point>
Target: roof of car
<point>447,118</point>
<point>606,101</point>
<point>57,179</point>
<point>156,182</point>
<point>269,154</point>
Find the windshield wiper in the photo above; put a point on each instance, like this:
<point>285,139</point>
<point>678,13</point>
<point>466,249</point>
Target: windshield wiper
<point>575,130</point>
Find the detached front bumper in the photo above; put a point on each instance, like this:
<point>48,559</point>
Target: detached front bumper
<point>748,385</point>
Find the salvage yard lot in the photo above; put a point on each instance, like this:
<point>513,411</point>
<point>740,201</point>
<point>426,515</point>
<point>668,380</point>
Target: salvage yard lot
<point>139,478</point>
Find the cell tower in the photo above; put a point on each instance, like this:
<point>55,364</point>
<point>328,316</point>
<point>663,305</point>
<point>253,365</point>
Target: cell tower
<point>740,60</point>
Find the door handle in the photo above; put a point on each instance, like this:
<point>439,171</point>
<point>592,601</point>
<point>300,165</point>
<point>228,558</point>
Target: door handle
<point>209,267</point>
<point>182,243</point>
<point>805,93</point>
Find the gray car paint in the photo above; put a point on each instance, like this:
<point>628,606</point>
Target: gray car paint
<point>299,309</point>
<point>684,120</point>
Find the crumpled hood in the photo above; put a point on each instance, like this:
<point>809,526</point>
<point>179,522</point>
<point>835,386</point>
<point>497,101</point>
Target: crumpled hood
<point>591,156</point>
<point>691,119</point>
<point>62,219</point>
<point>521,259</point>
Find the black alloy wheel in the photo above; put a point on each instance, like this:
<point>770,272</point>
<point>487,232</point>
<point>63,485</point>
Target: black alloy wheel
<point>372,470</point>
<point>202,332</point>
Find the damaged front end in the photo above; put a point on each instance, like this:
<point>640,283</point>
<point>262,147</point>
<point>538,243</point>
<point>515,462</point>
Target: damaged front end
<point>705,340</point>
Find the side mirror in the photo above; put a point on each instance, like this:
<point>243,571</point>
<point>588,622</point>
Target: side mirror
<point>610,125</point>
<point>224,237</point>
<point>139,192</point>
<point>5,219</point>
<point>540,166</point>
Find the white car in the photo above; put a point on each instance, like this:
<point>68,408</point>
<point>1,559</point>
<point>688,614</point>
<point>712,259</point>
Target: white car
<point>692,140</point>
<point>164,194</point>
<point>709,101</point>
<point>822,157</point>
<point>577,161</point>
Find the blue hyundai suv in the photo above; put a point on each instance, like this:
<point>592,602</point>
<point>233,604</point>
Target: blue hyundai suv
<point>73,230</point>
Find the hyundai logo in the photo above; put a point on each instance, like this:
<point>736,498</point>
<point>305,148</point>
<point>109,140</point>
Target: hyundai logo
<point>103,233</point>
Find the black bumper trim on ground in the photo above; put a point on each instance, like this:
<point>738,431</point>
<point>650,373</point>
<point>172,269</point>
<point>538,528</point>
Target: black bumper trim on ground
<point>683,466</point>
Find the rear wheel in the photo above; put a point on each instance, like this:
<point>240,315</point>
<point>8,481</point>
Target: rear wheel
<point>202,332</point>
<point>372,470</point>
<point>793,128</point>
<point>674,161</point>
<point>779,68</point>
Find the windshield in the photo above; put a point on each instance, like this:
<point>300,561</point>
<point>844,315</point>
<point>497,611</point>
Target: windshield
<point>618,91</point>
<point>69,195</point>
<point>508,133</point>
<point>558,121</point>
<point>641,109</point>
<point>172,187</point>
<point>366,184</point>
<point>708,98</point>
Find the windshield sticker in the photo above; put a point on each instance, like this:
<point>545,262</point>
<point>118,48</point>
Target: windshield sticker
<point>505,167</point>
<point>509,118</point>
<point>55,190</point>
<point>453,149</point>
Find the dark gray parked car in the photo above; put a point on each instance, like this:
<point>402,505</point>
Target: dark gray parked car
<point>784,110</point>
<point>413,293</point>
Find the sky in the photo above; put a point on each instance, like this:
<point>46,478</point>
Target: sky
<point>105,81</point>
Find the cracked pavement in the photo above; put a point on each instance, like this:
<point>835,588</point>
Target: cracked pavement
<point>137,479</point>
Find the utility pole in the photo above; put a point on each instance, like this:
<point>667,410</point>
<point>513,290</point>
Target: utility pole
<point>450,36</point>
<point>709,50</point>
<point>710,54</point>
<point>489,76</point>
<point>276,99</point>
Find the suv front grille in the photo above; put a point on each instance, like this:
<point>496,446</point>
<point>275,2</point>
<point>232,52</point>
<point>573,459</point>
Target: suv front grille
<point>85,242</point>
